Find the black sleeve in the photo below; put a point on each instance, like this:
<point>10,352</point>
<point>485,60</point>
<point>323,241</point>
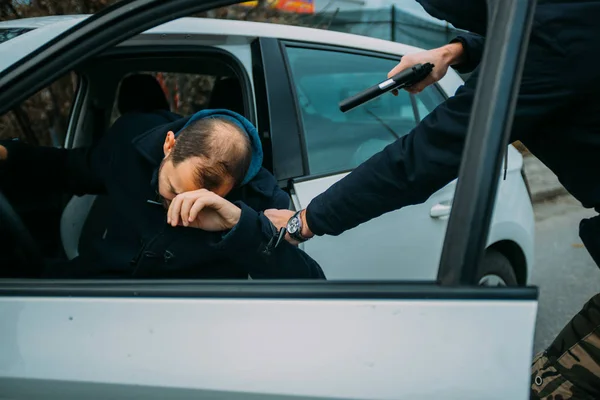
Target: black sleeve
<point>473,45</point>
<point>404,173</point>
<point>51,169</point>
<point>247,241</point>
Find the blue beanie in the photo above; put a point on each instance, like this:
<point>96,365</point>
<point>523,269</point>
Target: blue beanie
<point>244,125</point>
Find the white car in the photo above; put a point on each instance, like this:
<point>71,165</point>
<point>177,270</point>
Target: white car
<point>376,340</point>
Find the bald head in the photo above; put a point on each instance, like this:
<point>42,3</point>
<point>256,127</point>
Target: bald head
<point>211,153</point>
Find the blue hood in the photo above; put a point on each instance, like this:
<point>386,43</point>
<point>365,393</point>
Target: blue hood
<point>246,126</point>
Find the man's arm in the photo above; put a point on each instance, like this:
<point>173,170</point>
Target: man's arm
<point>34,168</point>
<point>246,234</point>
<point>406,172</point>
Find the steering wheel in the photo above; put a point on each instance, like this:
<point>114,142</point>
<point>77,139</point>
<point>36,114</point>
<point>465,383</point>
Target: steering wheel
<point>26,248</point>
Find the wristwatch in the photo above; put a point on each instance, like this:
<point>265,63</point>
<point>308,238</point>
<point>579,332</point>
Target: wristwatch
<point>294,228</point>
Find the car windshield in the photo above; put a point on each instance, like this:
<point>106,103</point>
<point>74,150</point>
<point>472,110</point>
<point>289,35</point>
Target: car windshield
<point>21,37</point>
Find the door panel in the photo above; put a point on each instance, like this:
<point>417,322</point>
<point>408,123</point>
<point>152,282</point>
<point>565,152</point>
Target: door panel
<point>405,244</point>
<point>236,348</point>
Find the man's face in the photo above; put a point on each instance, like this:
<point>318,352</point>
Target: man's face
<point>176,179</point>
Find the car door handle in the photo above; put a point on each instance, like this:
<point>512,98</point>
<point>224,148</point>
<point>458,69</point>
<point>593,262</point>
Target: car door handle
<point>440,210</point>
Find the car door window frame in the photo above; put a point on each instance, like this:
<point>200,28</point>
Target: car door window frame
<point>307,176</point>
<point>278,121</point>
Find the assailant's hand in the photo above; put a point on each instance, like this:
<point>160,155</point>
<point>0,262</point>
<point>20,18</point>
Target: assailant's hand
<point>203,209</point>
<point>279,218</point>
<point>441,58</point>
<point>3,153</point>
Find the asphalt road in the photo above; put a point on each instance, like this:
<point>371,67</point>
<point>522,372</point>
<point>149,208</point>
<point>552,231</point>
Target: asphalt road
<point>564,271</point>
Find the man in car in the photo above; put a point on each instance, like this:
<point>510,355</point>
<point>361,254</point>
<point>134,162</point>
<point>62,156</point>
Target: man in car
<point>180,198</point>
<point>557,117</point>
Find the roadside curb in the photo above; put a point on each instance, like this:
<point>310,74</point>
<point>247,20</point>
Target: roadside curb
<point>543,183</point>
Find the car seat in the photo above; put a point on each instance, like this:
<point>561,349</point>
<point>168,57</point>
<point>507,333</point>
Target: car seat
<point>83,216</point>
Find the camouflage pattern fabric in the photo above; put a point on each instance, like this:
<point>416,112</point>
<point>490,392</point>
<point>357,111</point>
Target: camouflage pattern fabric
<point>570,368</point>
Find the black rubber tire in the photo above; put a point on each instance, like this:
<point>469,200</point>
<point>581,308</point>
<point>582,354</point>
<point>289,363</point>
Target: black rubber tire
<point>496,263</point>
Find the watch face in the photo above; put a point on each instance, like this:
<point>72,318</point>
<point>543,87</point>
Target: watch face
<point>293,225</point>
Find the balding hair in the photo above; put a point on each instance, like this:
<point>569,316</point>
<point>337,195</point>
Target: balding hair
<point>222,148</point>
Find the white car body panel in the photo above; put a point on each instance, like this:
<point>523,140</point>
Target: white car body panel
<point>230,349</point>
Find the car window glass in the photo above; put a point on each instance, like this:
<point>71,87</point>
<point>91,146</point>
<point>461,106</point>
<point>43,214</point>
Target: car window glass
<point>185,93</point>
<point>338,141</point>
<point>43,118</point>
<point>9,33</point>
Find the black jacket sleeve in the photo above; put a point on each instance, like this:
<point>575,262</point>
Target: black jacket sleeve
<point>406,172</point>
<point>473,45</point>
<point>34,168</point>
<point>246,244</point>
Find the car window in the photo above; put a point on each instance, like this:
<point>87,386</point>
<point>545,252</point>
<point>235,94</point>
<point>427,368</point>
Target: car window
<point>337,141</point>
<point>43,118</point>
<point>185,93</point>
<point>9,33</point>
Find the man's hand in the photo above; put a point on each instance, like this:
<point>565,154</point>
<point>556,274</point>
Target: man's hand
<point>280,218</point>
<point>3,153</point>
<point>441,58</point>
<point>203,209</point>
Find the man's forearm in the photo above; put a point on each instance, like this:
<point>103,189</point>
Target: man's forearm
<point>454,53</point>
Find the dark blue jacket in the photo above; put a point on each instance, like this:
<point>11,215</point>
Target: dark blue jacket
<point>557,118</point>
<point>128,237</point>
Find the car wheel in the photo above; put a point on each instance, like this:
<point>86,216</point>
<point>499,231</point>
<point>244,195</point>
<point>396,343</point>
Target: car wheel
<point>496,270</point>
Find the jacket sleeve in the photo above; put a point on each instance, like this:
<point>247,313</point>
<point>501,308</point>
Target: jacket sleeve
<point>473,45</point>
<point>404,173</point>
<point>35,168</point>
<point>247,243</point>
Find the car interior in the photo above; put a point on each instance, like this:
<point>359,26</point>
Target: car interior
<point>111,85</point>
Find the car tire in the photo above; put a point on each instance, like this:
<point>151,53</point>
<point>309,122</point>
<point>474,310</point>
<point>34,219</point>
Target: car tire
<point>496,270</point>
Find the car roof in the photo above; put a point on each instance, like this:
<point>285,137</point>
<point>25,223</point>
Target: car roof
<point>280,31</point>
<point>39,22</point>
<point>46,28</point>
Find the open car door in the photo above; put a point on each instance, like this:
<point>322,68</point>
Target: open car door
<point>277,340</point>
